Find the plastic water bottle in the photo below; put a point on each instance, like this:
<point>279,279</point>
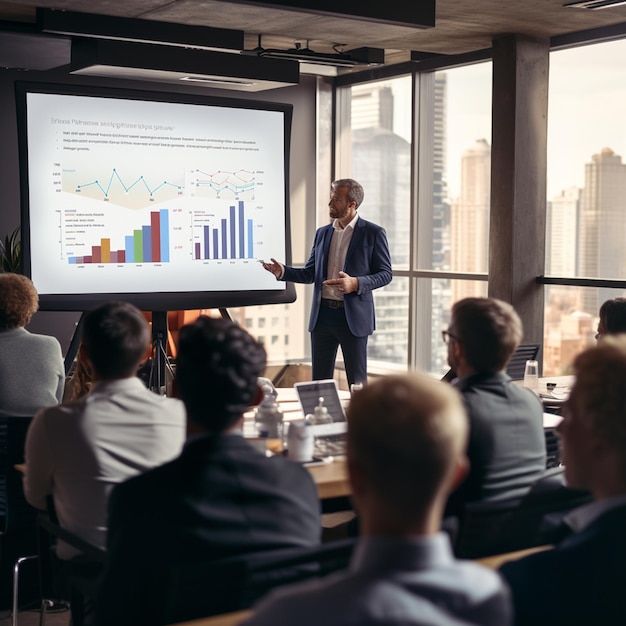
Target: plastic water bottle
<point>320,415</point>
<point>268,418</point>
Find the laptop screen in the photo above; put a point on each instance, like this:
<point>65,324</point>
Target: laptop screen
<point>309,394</point>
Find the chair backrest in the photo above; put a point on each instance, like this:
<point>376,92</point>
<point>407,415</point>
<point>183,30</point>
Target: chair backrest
<point>517,363</point>
<point>15,512</point>
<point>553,451</point>
<point>480,528</point>
<point>487,528</point>
<point>92,561</point>
<point>18,519</point>
<point>201,589</point>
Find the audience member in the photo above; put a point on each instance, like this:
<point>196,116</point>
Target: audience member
<point>581,580</point>
<point>221,497</point>
<point>32,374</point>
<point>79,383</point>
<point>612,317</point>
<point>77,451</point>
<point>506,449</point>
<point>406,451</point>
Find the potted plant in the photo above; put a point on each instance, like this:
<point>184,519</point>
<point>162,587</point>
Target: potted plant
<point>11,252</point>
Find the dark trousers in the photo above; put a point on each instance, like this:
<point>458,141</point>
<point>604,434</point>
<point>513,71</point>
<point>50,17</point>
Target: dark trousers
<point>330,332</point>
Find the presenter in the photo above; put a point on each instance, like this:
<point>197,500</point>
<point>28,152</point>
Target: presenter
<point>349,259</point>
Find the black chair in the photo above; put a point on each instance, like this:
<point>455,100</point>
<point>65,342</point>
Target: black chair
<point>201,589</point>
<point>488,528</point>
<point>553,451</point>
<point>517,363</point>
<point>18,520</point>
<point>60,580</point>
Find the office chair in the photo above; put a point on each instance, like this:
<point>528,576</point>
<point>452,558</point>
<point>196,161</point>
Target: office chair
<point>517,363</point>
<point>553,451</point>
<point>488,528</point>
<point>48,533</point>
<point>18,520</point>
<point>201,589</point>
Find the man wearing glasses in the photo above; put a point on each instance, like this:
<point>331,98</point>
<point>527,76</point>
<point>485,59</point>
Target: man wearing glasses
<point>506,447</point>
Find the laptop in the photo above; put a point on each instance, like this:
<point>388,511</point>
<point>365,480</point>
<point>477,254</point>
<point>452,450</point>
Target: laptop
<point>330,438</point>
<point>310,392</point>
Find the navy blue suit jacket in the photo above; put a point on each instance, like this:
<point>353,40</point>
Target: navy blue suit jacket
<point>367,259</point>
<point>581,581</point>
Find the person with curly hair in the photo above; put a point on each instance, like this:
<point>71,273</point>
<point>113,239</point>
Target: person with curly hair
<point>32,374</point>
<point>219,499</point>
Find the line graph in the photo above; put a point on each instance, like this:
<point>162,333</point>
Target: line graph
<point>224,183</point>
<point>129,189</point>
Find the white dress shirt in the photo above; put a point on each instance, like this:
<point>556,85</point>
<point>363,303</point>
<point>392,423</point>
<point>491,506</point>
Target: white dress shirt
<point>78,451</point>
<point>337,256</point>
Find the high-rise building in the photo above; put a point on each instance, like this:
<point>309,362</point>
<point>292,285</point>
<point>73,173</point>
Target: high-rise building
<point>562,233</point>
<point>469,221</point>
<point>603,223</point>
<point>441,301</point>
<point>381,159</point>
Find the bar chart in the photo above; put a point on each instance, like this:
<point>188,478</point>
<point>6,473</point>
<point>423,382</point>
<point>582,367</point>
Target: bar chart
<point>148,244</point>
<point>230,237</point>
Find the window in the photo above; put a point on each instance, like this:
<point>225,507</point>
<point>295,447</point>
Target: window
<point>586,203</point>
<point>433,200</point>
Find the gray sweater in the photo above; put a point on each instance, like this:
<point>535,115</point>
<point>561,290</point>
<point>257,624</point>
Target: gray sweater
<point>32,374</point>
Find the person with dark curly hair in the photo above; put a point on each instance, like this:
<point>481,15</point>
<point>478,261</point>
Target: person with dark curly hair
<point>220,498</point>
<point>32,374</point>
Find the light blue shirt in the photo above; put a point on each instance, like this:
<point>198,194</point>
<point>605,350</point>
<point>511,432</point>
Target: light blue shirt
<point>394,581</point>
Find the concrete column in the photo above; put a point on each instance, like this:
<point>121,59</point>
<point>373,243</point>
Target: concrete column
<point>518,177</point>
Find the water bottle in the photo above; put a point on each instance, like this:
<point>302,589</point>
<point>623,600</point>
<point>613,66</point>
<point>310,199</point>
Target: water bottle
<point>320,415</point>
<point>268,419</point>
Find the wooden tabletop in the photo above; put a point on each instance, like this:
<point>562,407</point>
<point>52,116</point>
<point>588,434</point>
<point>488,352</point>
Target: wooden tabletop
<point>331,479</point>
<point>495,561</point>
<point>226,619</point>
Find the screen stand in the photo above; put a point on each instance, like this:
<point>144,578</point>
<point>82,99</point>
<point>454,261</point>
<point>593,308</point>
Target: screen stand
<point>160,362</point>
<point>72,349</point>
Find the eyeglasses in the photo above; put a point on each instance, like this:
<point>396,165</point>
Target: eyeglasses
<point>446,335</point>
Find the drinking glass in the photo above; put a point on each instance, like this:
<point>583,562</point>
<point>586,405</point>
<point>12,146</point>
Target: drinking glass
<point>531,376</point>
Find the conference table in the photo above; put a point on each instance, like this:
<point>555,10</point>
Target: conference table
<point>331,477</point>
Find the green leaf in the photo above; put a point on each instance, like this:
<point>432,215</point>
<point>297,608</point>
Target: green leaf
<point>11,252</point>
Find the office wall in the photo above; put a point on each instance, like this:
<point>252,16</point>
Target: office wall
<point>303,162</point>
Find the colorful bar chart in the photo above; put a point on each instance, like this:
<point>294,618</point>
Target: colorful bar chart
<point>226,238</point>
<point>148,244</point>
